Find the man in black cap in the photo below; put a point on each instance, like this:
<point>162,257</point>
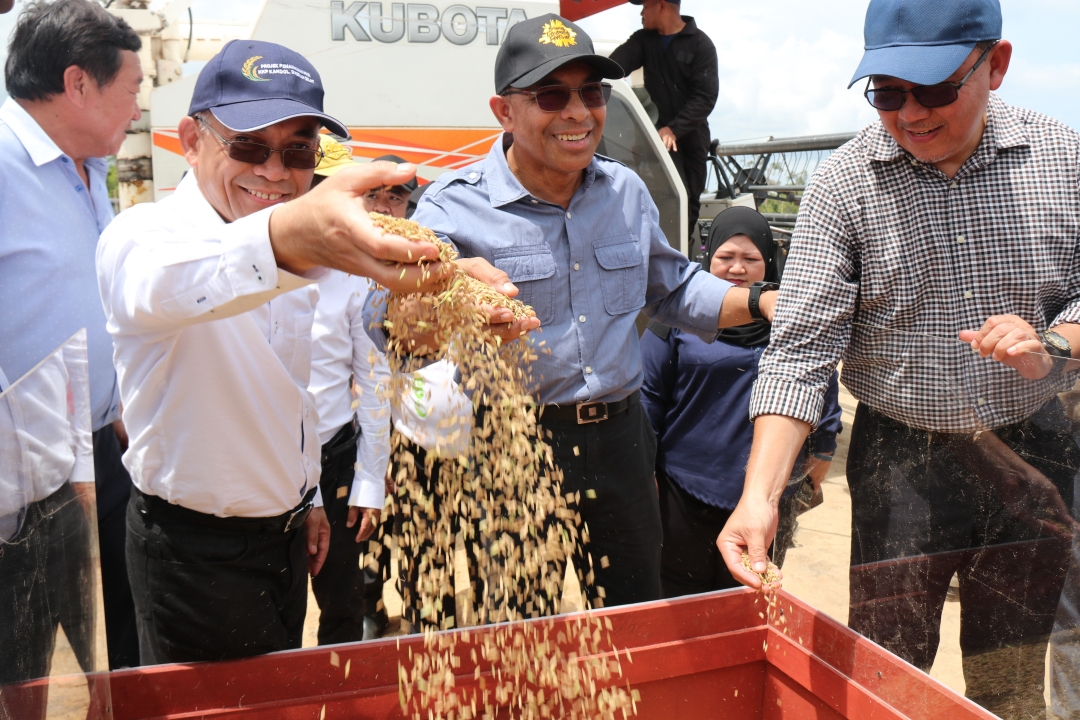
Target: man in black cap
<point>681,77</point>
<point>578,235</point>
<point>209,299</point>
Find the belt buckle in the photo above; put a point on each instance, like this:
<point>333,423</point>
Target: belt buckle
<point>297,517</point>
<point>588,413</point>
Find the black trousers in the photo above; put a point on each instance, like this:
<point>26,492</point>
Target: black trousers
<point>45,583</point>
<point>611,465</point>
<point>928,505</point>
<point>690,562</point>
<point>692,163</point>
<point>421,564</point>
<point>113,485</point>
<point>339,586</point>
<point>206,588</point>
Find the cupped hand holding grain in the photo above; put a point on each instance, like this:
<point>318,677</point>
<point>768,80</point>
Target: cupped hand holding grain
<point>329,227</point>
<point>502,321</point>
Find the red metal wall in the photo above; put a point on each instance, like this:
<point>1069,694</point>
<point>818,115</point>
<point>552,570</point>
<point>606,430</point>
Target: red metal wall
<point>577,9</point>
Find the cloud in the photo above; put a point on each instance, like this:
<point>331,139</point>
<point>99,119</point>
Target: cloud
<point>784,71</point>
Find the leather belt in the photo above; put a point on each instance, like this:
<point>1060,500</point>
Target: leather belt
<point>587,413</point>
<point>286,522</point>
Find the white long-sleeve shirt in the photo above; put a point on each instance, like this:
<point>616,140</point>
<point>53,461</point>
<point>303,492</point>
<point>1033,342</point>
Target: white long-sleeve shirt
<point>342,349</point>
<point>44,431</point>
<point>213,354</point>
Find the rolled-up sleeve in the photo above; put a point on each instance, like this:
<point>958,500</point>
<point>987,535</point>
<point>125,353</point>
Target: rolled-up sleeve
<point>679,293</point>
<point>813,312</point>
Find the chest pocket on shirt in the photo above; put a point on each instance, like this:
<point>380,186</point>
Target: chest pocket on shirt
<point>622,274</point>
<point>686,58</point>
<point>531,269</point>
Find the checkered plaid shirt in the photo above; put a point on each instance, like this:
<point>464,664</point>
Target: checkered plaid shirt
<point>891,259</point>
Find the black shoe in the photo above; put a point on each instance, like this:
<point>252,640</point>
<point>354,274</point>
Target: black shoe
<point>375,625</point>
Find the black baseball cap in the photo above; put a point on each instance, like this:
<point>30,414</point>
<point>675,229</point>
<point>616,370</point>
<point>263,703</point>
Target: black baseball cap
<point>252,84</point>
<point>535,48</point>
<point>411,184</point>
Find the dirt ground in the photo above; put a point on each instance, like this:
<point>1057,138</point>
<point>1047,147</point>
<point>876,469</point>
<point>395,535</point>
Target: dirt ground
<point>816,570</point>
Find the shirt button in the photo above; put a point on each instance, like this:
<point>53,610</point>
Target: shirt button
<point>982,401</point>
<point>968,294</point>
<point>961,239</point>
<point>472,176</point>
<point>581,318</point>
<point>577,266</point>
<point>535,201</point>
<point>568,215</point>
<point>588,369</point>
<point>954,185</point>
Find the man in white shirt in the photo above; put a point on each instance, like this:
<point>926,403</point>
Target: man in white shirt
<point>209,300</point>
<point>356,446</point>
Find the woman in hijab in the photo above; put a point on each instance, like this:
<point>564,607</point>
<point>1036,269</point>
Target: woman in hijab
<point>697,396</point>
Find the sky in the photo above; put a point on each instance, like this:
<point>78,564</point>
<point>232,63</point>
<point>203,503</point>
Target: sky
<point>784,68</point>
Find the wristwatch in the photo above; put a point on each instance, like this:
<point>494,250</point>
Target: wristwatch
<point>1058,347</point>
<point>755,298</point>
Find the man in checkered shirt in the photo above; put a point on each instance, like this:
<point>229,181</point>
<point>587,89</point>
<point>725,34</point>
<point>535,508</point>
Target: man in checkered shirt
<point>949,226</point>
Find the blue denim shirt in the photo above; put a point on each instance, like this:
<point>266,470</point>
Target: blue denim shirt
<point>586,270</point>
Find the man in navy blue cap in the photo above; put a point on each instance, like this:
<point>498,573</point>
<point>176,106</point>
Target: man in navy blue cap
<point>948,226</point>
<point>209,297</point>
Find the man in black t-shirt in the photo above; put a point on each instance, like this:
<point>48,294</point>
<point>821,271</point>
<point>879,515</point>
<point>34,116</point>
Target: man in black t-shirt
<point>681,77</point>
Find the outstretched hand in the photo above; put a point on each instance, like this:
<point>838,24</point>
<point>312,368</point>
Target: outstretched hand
<point>329,227</point>
<point>501,321</point>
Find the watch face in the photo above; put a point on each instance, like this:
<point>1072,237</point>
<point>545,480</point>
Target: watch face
<point>1057,341</point>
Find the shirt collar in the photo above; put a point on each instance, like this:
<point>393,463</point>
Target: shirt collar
<point>1003,131</point>
<point>504,187</point>
<point>189,193</point>
<point>38,144</point>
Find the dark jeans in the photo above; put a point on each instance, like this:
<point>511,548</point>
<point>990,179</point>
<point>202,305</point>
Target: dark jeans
<point>45,583</point>
<point>113,485</point>
<point>928,505</point>
<point>213,591</point>
<point>339,586</point>
<point>614,460</point>
<point>690,562</point>
<point>691,161</point>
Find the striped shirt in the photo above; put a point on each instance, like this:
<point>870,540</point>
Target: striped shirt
<point>891,259</point>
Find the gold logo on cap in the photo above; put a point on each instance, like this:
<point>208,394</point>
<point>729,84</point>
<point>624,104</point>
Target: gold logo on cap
<point>557,34</point>
<point>251,72</point>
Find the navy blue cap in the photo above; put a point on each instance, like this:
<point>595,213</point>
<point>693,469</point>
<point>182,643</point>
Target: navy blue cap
<point>252,84</point>
<point>925,41</point>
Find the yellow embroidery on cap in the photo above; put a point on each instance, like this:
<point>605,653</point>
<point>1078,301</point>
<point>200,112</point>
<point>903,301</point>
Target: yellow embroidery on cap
<point>251,72</point>
<point>557,34</point>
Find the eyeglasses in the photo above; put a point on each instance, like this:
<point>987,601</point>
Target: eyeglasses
<point>929,96</point>
<point>257,153</point>
<point>555,98</point>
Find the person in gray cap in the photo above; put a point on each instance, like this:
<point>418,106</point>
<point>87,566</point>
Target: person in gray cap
<point>210,299</point>
<point>950,225</point>
<point>578,236</point>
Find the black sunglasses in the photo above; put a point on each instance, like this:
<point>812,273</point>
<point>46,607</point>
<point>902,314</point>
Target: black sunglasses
<point>555,98</point>
<point>929,96</point>
<point>257,153</point>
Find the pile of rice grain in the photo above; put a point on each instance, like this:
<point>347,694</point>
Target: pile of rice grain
<point>505,495</point>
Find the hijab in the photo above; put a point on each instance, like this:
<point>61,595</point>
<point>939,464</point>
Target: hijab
<point>741,220</point>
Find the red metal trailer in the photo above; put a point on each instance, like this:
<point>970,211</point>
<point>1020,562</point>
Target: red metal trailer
<point>706,656</point>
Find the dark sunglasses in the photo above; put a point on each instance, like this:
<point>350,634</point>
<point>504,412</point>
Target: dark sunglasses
<point>929,96</point>
<point>555,98</point>
<point>257,153</point>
